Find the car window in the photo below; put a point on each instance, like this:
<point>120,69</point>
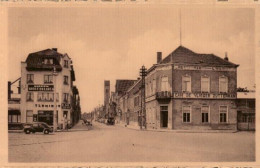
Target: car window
<point>35,125</point>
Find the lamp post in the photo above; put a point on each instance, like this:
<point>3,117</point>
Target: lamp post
<point>143,73</point>
<point>55,101</point>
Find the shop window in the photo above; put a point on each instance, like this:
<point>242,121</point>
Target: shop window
<point>29,116</point>
<point>48,79</point>
<point>223,114</point>
<point>223,84</point>
<point>186,83</point>
<point>30,78</point>
<point>164,83</point>
<point>186,113</point>
<point>205,114</point>
<point>29,96</point>
<point>66,80</point>
<point>205,84</point>
<point>66,63</point>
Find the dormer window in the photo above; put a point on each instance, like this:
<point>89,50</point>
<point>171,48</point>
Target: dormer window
<point>48,60</point>
<point>66,63</point>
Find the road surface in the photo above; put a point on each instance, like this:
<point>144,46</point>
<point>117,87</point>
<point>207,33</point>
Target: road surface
<point>104,143</point>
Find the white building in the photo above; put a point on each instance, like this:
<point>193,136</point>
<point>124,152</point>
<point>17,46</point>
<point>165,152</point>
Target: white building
<point>38,83</point>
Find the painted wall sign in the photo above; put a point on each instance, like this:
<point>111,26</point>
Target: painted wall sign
<point>65,106</point>
<point>205,95</point>
<point>196,67</point>
<point>40,87</point>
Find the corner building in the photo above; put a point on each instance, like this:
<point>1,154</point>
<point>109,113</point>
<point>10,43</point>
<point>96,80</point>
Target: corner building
<point>38,82</point>
<point>188,90</point>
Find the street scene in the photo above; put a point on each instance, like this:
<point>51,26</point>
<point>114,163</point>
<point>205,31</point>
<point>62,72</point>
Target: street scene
<point>106,143</point>
<point>131,85</point>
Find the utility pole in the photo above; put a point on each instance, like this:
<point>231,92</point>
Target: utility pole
<point>143,73</point>
<point>55,100</point>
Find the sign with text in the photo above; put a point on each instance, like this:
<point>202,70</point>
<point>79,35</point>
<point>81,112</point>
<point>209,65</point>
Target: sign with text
<point>197,67</point>
<point>40,87</point>
<point>65,106</point>
<point>204,95</point>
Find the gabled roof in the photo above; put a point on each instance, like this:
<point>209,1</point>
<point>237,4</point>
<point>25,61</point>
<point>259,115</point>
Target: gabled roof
<point>123,85</point>
<point>186,56</point>
<point>35,60</point>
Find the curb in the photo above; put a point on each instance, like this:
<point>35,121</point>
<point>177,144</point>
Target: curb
<point>180,131</point>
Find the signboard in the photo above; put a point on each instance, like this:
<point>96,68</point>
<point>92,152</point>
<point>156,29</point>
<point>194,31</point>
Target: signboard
<point>197,67</point>
<point>65,106</point>
<point>204,95</point>
<point>40,87</point>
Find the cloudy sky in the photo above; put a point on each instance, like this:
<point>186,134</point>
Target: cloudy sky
<point>113,42</point>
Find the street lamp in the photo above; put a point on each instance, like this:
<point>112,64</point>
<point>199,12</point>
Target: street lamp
<point>55,100</point>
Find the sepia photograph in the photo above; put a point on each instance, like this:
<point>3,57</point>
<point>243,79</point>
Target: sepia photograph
<point>131,83</point>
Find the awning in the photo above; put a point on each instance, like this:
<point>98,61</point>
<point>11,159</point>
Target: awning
<point>14,112</point>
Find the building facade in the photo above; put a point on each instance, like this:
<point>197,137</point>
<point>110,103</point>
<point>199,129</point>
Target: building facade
<point>187,90</point>
<point>46,85</point>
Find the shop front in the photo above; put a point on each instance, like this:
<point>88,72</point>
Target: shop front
<point>44,116</point>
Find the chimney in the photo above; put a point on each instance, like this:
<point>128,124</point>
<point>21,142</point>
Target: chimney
<point>55,49</point>
<point>159,57</point>
<point>226,56</point>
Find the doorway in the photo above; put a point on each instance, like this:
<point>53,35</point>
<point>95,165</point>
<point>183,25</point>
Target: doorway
<point>164,116</point>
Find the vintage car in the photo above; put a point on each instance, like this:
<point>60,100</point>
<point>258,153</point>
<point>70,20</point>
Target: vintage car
<point>37,127</point>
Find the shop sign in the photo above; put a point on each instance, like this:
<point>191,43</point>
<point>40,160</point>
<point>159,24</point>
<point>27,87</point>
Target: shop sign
<point>40,88</point>
<point>65,106</point>
<point>197,67</point>
<point>204,95</point>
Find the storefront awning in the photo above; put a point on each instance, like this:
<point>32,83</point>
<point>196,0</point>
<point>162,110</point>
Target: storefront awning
<point>14,112</point>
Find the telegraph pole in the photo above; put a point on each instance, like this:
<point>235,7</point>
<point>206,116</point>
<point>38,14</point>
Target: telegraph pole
<point>143,73</point>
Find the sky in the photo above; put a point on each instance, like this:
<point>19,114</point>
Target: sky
<point>113,42</point>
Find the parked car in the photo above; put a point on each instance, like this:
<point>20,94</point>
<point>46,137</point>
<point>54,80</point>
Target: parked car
<point>87,122</point>
<point>37,127</point>
<point>110,121</point>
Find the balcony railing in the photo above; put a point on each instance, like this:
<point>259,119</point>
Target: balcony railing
<point>163,95</point>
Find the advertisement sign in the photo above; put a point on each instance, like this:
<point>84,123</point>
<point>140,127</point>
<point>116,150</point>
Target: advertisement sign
<point>204,95</point>
<point>40,87</point>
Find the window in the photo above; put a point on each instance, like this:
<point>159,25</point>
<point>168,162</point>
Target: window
<point>186,83</point>
<point>205,84</point>
<point>29,78</point>
<point>65,97</point>
<point>186,113</point>
<point>66,63</point>
<point>223,84</point>
<point>48,60</point>
<point>66,80</point>
<point>29,96</point>
<point>29,116</point>
<point>223,114</point>
<point>45,96</point>
<point>164,83</point>
<point>136,101</point>
<point>154,86</point>
<point>205,114</point>
<point>57,97</point>
<point>48,79</point>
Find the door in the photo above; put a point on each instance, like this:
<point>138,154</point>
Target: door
<point>164,116</point>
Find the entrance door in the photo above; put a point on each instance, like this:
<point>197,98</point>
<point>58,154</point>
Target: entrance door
<point>45,116</point>
<point>164,116</point>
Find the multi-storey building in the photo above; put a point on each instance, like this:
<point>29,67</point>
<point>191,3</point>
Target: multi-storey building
<point>46,85</point>
<point>188,90</point>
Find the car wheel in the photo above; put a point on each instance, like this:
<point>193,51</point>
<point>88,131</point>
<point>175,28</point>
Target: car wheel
<point>46,132</point>
<point>27,131</point>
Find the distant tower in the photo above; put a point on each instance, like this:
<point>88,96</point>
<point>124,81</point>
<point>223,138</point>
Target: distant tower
<point>106,92</point>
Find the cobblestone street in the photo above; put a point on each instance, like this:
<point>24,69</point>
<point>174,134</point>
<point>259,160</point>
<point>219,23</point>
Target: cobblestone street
<point>104,143</point>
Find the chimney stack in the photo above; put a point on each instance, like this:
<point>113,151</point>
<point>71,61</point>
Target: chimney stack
<point>159,57</point>
<point>226,56</point>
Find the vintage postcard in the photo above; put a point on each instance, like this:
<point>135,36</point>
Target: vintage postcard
<point>129,83</point>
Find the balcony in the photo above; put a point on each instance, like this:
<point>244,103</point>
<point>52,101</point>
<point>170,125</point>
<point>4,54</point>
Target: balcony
<point>163,95</point>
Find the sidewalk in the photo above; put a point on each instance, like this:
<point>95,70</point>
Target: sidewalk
<point>137,128</point>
